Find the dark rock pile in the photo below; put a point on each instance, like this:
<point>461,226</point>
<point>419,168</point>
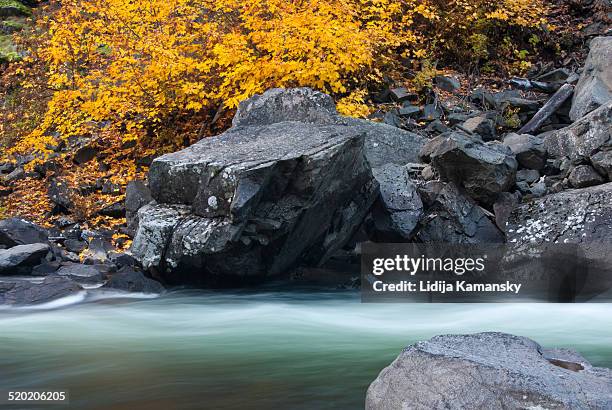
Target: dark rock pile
<point>37,267</point>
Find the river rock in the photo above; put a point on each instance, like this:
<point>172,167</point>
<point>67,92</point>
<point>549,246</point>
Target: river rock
<point>20,259</point>
<point>20,293</point>
<point>259,197</point>
<point>84,274</point>
<point>452,217</point>
<point>129,280</point>
<point>489,371</point>
<point>15,231</point>
<point>483,169</point>
<point>589,139</point>
<point>399,208</point>
<point>595,86</point>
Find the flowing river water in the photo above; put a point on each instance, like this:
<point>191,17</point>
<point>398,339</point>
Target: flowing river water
<point>253,350</point>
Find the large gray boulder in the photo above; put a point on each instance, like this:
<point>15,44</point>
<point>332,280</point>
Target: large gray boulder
<point>595,86</point>
<point>21,292</point>
<point>452,217</point>
<point>484,170</point>
<point>489,371</point>
<point>580,216</point>
<point>586,140</point>
<point>16,231</point>
<point>260,197</point>
<point>399,208</point>
<point>21,259</point>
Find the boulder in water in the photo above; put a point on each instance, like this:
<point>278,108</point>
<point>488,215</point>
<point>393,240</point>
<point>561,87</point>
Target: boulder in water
<point>23,292</point>
<point>256,199</point>
<point>488,371</point>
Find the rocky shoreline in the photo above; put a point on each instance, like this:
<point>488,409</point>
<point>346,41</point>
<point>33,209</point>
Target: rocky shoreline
<point>294,185</point>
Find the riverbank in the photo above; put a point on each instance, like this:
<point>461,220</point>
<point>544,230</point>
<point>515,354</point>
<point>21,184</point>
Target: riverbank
<point>254,349</point>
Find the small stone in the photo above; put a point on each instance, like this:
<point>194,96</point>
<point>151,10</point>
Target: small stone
<point>401,94</point>
<point>482,126</point>
<point>446,83</point>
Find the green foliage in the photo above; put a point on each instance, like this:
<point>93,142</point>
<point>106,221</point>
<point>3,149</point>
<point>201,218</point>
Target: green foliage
<point>424,78</point>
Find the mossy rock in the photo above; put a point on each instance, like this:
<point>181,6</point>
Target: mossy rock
<point>11,26</point>
<point>13,8</point>
<point>8,53</point>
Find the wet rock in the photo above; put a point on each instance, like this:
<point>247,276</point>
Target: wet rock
<point>129,280</point>
<point>21,258</point>
<point>447,83</point>
<point>84,155</point>
<point>137,195</point>
<point>83,274</point>
<point>585,139</point>
<point>254,200</point>
<point>584,176</point>
<point>482,126</point>
<point>488,370</point>
<point>15,231</point>
<point>122,259</point>
<point>21,293</point>
<point>45,268</point>
<point>530,151</point>
<point>452,217</point>
<point>595,86</point>
<point>483,169</point>
<point>398,210</point>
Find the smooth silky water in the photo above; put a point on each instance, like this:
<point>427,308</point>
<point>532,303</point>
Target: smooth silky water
<point>253,350</point>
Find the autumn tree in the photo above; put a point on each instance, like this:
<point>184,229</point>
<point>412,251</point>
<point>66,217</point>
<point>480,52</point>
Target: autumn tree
<point>136,66</point>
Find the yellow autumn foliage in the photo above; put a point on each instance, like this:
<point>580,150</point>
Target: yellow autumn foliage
<point>135,65</point>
